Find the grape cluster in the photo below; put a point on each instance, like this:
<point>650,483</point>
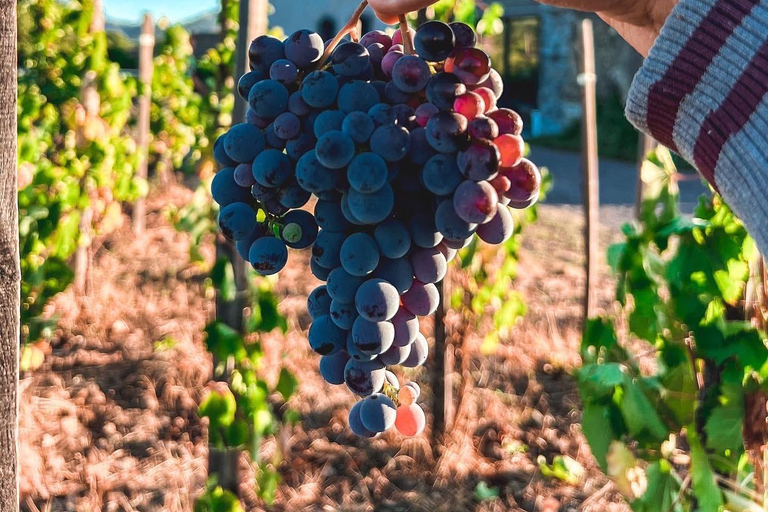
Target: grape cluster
<point>408,156</point>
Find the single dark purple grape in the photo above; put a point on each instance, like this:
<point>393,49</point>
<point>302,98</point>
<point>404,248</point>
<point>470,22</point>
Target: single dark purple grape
<point>483,128</point>
<point>350,59</point>
<point>479,160</point>
<point>304,48</point>
<point>247,81</point>
<point>434,41</point>
<point>464,35</point>
<point>263,52</point>
<point>447,131</point>
<point>376,53</point>
<point>443,89</point>
<point>411,74</point>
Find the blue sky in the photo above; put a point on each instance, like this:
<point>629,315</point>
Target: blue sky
<point>132,10</point>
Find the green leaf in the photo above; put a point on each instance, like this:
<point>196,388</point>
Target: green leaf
<point>598,381</point>
<point>615,255</point>
<point>223,278</point>
<point>219,407</point>
<point>703,480</point>
<point>267,482</point>
<point>236,434</point>
<point>287,383</point>
<point>640,416</point>
<point>563,468</point>
<point>223,341</point>
<point>724,423</point>
<point>218,500</point>
<point>662,490</point>
<point>596,426</point>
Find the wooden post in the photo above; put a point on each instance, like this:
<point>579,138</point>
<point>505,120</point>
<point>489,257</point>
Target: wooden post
<point>591,191</point>
<point>253,22</point>
<point>442,371</point>
<point>146,68</point>
<point>252,17</point>
<point>10,273</point>
<point>645,145</point>
<point>92,105</point>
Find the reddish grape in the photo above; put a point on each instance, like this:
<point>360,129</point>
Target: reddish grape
<point>480,160</point>
<point>508,120</point>
<point>511,148</point>
<point>408,394</point>
<point>397,37</point>
<point>389,60</point>
<point>525,179</point>
<point>469,104</point>
<point>501,183</point>
<point>410,420</point>
<point>494,83</point>
<point>489,99</point>
<point>471,65</point>
<point>475,202</point>
<point>376,37</point>
<point>483,128</point>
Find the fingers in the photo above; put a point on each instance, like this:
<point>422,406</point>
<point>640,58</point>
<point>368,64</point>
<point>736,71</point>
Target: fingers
<point>387,8</point>
<point>389,19</point>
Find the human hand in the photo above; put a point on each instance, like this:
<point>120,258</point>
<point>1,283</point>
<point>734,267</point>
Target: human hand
<point>637,21</point>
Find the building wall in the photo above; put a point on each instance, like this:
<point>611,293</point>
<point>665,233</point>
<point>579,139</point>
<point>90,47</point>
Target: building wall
<point>559,95</point>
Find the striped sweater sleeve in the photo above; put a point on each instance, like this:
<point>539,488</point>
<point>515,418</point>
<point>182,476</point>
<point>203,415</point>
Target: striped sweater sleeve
<point>703,92</point>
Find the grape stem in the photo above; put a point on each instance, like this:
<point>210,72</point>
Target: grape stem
<point>406,33</point>
<point>346,29</point>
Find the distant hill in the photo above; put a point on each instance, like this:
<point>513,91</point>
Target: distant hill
<point>204,23</point>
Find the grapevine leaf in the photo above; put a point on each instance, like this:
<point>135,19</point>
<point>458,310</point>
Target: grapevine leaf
<point>596,425</point>
<point>219,407</point>
<point>662,490</point>
<point>640,416</point>
<point>236,434</point>
<point>615,255</point>
<point>679,392</point>
<point>287,383</point>
<point>223,278</point>
<point>703,480</point>
<point>223,341</point>
<point>483,492</point>
<point>267,481</point>
<point>598,381</point>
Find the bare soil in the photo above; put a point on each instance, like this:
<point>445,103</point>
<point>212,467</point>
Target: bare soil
<point>109,422</point>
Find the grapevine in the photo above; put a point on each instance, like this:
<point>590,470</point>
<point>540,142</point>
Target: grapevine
<point>400,140</point>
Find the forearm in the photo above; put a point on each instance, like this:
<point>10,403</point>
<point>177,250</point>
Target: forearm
<point>703,91</point>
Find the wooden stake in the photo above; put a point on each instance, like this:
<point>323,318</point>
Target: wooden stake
<point>645,145</point>
<point>442,371</point>
<point>591,192</point>
<point>146,68</point>
<point>92,105</point>
<point>10,273</point>
<point>253,22</point>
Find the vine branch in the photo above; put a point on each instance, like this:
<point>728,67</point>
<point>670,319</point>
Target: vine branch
<point>350,26</point>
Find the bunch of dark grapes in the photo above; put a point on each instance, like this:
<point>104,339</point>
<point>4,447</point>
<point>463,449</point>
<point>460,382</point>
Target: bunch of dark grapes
<point>408,157</point>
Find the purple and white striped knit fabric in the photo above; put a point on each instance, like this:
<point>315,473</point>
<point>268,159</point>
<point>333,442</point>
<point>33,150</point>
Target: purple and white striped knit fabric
<point>703,92</point>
